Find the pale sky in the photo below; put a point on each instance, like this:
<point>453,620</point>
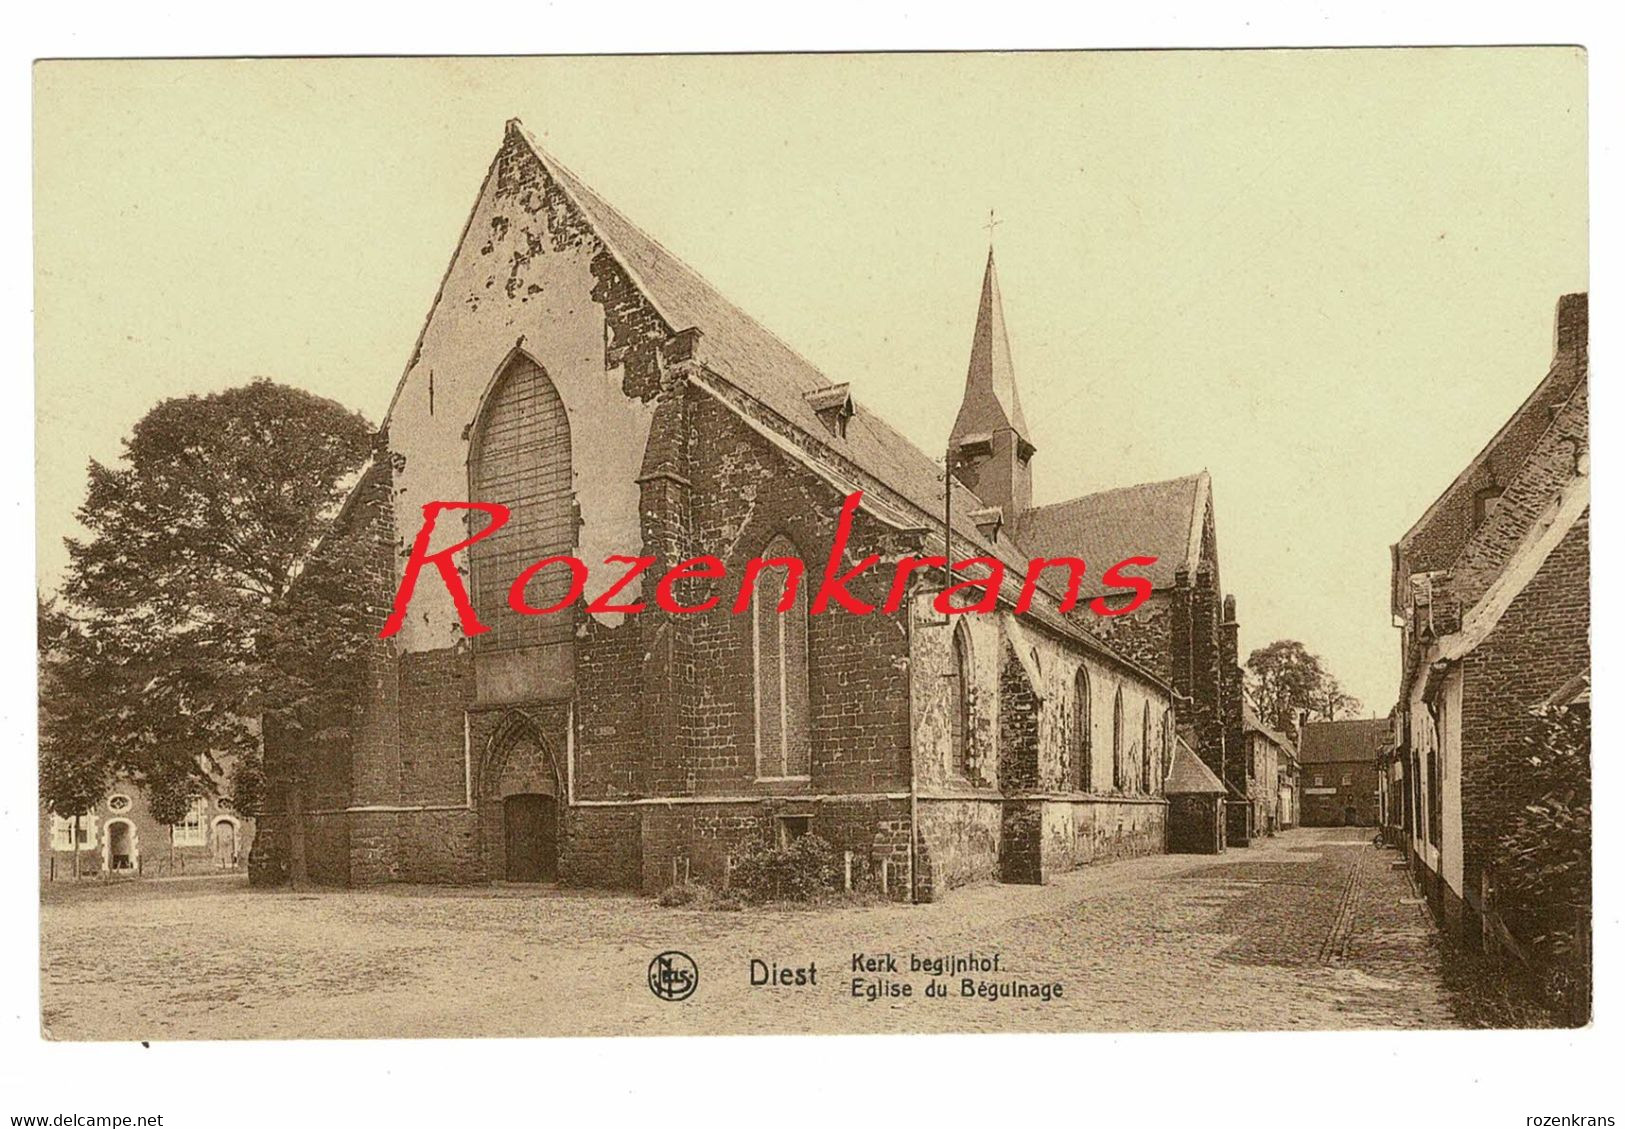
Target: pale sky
<point>1325,276</point>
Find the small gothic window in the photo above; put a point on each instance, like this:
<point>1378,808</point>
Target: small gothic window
<point>958,680</point>
<point>1484,503</point>
<point>779,640</point>
<point>1083,775</point>
<point>1119,780</point>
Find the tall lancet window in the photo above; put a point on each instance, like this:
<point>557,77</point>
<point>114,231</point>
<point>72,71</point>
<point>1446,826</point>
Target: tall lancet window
<point>1165,758</point>
<point>1119,777</point>
<point>1145,749</point>
<point>521,458</point>
<point>1083,769</point>
<point>959,682</point>
<point>779,640</point>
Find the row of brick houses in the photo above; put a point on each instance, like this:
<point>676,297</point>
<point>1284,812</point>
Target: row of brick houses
<point>1491,590</point>
<point>576,371</point>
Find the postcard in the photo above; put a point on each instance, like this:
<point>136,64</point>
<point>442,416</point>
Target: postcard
<point>844,544</point>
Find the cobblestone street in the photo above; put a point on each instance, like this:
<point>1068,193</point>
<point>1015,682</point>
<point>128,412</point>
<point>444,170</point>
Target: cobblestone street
<point>1311,929</point>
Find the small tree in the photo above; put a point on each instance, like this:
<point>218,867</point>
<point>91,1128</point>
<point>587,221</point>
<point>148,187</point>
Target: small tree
<point>169,800</point>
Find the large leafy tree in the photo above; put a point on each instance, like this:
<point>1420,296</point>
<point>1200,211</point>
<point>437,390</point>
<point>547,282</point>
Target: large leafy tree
<point>1285,677</point>
<point>192,594</point>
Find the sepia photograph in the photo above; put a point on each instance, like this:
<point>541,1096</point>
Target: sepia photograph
<point>769,544</point>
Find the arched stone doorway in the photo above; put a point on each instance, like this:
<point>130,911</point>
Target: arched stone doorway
<point>521,787</point>
<point>121,846</point>
<point>223,843</point>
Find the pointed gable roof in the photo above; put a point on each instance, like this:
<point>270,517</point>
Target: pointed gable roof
<point>1507,450</point>
<point>756,363</point>
<point>1189,776</point>
<point>1252,723</point>
<point>1154,519</point>
<point>991,401</point>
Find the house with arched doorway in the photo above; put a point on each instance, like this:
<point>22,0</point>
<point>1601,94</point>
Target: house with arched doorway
<point>574,371</point>
<point>119,838</point>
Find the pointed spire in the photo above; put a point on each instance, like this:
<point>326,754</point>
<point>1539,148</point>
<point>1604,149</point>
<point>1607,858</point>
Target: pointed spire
<point>991,401</point>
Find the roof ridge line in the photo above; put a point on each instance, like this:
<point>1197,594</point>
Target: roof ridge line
<point>574,187</point>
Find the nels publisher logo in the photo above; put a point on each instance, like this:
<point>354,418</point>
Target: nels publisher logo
<point>673,975</point>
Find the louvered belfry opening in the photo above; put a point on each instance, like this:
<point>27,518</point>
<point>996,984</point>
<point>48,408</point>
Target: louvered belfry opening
<point>521,458</point>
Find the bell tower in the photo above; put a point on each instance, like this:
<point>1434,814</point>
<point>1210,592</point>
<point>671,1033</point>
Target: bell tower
<point>989,450</point>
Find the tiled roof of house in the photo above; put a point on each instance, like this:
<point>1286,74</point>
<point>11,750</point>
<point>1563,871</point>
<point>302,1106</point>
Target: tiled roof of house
<point>1189,776</point>
<point>1251,721</point>
<point>1153,519</point>
<point>1337,741</point>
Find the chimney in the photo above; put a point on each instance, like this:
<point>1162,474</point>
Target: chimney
<point>1570,334</point>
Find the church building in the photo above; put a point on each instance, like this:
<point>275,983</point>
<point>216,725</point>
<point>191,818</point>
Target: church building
<point>575,371</point>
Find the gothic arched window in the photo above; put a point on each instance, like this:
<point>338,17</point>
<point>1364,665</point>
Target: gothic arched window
<point>521,459</point>
<point>1145,749</point>
<point>1083,769</point>
<point>959,684</point>
<point>1119,780</point>
<point>779,643</point>
<point>1165,756</point>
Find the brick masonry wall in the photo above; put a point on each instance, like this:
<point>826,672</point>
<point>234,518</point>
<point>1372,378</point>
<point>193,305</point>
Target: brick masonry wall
<point>1329,811</point>
<point>1021,842</point>
<point>603,846</point>
<point>1144,636</point>
<point>1018,726</point>
<point>1541,642</point>
<point>958,845</point>
<point>699,839</point>
<point>1076,833</point>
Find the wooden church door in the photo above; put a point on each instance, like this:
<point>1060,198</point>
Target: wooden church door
<point>530,824</point>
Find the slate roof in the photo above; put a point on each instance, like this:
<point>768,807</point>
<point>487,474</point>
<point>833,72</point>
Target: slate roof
<point>1153,519</point>
<point>762,367</point>
<point>991,399</point>
<point>1189,776</point>
<point>1327,742</point>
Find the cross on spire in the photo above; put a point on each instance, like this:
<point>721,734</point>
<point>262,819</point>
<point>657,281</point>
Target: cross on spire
<point>992,222</point>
